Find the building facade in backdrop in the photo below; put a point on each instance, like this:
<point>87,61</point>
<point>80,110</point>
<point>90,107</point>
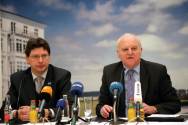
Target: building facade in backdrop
<point>15,30</point>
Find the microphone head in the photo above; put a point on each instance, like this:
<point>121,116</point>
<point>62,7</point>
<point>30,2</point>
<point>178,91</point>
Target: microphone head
<point>46,93</point>
<point>137,92</point>
<point>77,89</point>
<point>116,85</point>
<point>60,103</point>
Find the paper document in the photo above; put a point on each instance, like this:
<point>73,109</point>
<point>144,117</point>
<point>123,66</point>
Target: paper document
<point>164,115</point>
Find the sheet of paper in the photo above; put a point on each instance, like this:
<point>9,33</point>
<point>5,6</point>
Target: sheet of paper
<point>164,115</point>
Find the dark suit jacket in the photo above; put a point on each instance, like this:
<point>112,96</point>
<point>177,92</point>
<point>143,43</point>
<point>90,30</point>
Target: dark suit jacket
<point>22,89</point>
<point>156,87</point>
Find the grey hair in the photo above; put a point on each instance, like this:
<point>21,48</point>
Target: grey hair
<point>128,35</point>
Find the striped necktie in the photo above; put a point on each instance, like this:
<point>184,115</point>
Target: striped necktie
<point>129,85</point>
<point>39,83</point>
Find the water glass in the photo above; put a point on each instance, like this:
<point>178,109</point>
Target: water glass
<point>88,108</point>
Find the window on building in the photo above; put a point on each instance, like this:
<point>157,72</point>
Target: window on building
<point>13,27</point>
<point>18,46</point>
<point>2,66</point>
<point>20,66</point>
<point>25,30</point>
<point>36,32</point>
<point>1,24</point>
<point>1,43</point>
<point>24,45</point>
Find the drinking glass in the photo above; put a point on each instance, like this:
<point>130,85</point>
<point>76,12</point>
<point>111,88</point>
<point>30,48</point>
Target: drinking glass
<point>88,108</point>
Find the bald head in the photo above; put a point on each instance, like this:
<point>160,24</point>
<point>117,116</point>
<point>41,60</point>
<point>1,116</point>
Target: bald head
<point>129,50</point>
<point>128,37</point>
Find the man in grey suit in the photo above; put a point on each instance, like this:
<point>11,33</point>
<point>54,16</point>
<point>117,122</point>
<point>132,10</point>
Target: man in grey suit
<point>24,86</point>
<point>157,92</point>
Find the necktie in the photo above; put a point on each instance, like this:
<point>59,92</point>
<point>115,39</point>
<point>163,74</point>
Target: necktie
<point>39,83</point>
<point>129,85</point>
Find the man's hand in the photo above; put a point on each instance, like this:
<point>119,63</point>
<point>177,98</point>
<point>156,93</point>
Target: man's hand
<point>23,113</point>
<point>105,110</point>
<point>149,109</point>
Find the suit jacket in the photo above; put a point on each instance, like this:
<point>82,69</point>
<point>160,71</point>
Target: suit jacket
<point>156,88</point>
<point>22,89</point>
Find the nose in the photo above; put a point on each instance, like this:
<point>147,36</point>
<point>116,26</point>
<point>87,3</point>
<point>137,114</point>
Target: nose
<point>40,59</point>
<point>130,51</point>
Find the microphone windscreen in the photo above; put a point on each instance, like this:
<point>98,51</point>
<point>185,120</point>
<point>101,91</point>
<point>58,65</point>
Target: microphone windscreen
<point>60,104</point>
<point>46,93</point>
<point>77,89</point>
<point>137,92</point>
<point>116,85</point>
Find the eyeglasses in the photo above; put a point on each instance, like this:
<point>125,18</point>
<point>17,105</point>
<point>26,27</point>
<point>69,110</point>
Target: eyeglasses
<point>36,57</point>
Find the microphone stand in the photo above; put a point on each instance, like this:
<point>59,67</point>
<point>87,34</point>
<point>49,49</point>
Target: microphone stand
<point>75,111</point>
<point>138,118</point>
<point>41,112</point>
<point>114,110</point>
<point>115,120</point>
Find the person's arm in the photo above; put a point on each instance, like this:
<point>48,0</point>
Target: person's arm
<point>63,85</point>
<point>149,109</point>
<point>170,103</point>
<point>14,92</point>
<point>104,107</point>
<point>65,90</point>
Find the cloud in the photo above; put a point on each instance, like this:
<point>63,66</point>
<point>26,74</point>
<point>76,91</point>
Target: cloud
<point>163,4</point>
<point>61,41</point>
<point>8,8</point>
<point>153,43</point>
<point>151,14</point>
<point>161,22</point>
<point>100,13</point>
<point>105,44</point>
<point>43,13</point>
<point>56,4</point>
<point>179,76</point>
<point>184,30</point>
<point>99,30</point>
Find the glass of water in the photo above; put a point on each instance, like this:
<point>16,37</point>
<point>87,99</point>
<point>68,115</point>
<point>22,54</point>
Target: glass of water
<point>88,108</point>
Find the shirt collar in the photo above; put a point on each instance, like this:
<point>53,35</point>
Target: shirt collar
<point>43,75</point>
<point>136,69</point>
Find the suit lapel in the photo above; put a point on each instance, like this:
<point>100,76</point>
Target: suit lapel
<point>49,77</point>
<point>144,79</point>
<point>28,88</point>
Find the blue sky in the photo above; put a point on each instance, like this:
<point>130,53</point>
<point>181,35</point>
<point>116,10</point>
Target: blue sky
<point>82,33</point>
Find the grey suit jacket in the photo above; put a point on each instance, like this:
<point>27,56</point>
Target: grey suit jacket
<point>156,87</point>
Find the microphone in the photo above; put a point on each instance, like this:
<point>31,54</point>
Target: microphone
<point>76,91</point>
<point>60,105</point>
<point>138,99</point>
<point>115,88</point>
<point>46,94</point>
<point>137,92</point>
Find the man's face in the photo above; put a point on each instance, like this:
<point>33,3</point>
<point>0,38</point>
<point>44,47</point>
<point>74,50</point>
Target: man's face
<point>129,51</point>
<point>38,60</point>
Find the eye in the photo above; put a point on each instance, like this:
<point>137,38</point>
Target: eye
<point>134,48</point>
<point>125,49</point>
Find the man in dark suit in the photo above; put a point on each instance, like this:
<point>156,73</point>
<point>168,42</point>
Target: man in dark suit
<point>24,86</point>
<point>157,92</point>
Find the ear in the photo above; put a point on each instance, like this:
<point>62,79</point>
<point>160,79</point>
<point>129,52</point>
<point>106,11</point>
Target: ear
<point>118,54</point>
<point>27,60</point>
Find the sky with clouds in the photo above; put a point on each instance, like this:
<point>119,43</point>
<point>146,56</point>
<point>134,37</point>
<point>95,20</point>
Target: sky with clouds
<point>82,33</point>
